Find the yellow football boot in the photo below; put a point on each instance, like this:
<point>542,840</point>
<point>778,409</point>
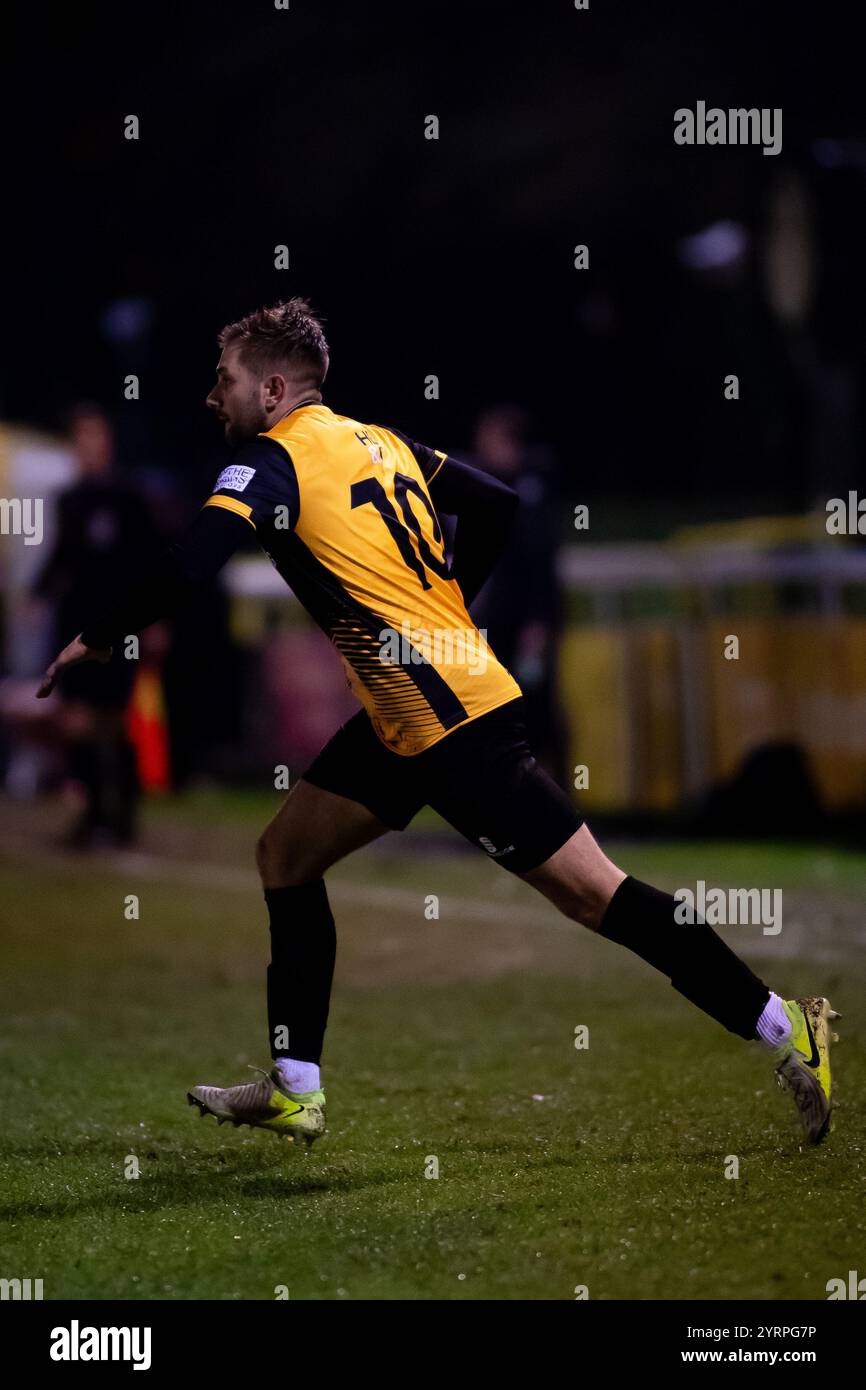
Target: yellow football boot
<point>264,1104</point>
<point>803,1063</point>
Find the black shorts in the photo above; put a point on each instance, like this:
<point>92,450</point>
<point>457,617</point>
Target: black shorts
<point>482,779</point>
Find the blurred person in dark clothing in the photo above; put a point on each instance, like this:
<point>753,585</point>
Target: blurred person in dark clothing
<point>103,535</point>
<point>521,606</point>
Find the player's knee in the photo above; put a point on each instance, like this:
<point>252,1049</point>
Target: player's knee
<point>263,856</point>
<point>263,850</point>
<point>578,904</point>
<point>583,909</point>
<point>280,862</point>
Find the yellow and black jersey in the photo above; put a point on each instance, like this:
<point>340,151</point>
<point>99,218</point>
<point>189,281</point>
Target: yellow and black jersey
<point>345,512</point>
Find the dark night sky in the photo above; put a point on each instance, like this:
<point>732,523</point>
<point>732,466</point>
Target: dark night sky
<point>455,257</point>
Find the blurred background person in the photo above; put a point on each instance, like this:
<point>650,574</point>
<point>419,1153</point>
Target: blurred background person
<point>103,535</point>
<point>521,604</point>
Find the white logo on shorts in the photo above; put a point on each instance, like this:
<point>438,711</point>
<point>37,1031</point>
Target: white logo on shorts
<point>491,848</point>
<point>235,477</point>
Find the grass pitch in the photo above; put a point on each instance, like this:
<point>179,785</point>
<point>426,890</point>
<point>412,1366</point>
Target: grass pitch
<point>450,1049</point>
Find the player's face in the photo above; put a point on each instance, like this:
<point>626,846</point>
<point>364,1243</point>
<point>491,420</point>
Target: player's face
<point>237,399</point>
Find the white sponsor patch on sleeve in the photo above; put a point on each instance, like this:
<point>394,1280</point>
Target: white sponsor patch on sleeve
<point>235,478</point>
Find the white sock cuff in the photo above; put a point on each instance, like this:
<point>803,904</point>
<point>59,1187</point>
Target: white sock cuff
<point>774,1025</point>
<point>298,1076</point>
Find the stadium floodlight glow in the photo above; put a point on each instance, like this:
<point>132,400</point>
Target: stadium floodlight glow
<point>717,247</point>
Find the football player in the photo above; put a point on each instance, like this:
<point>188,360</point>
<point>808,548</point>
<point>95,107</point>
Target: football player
<point>350,514</point>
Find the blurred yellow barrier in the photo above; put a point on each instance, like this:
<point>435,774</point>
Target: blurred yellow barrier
<point>657,712</point>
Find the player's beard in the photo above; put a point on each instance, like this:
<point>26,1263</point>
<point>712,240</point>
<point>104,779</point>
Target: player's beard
<point>252,422</point>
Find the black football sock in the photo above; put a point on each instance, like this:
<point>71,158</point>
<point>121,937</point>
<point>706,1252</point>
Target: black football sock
<point>697,962</point>
<point>303,951</point>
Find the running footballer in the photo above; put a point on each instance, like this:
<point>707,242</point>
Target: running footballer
<point>349,513</point>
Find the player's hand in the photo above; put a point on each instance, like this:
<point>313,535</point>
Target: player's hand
<point>73,655</point>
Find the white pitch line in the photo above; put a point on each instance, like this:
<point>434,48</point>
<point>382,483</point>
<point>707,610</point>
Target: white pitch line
<point>195,874</point>
<point>794,940</point>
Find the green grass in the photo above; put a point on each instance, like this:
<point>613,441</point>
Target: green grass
<point>441,1035</point>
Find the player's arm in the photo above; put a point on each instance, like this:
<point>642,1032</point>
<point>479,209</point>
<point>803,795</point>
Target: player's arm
<point>484,508</point>
<point>167,587</point>
<point>260,475</point>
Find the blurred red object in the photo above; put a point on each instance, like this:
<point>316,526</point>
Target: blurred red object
<point>147,730</point>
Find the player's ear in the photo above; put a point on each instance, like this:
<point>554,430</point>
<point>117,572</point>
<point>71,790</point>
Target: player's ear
<point>276,388</point>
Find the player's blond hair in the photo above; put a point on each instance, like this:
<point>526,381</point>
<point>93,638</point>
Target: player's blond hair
<point>283,334</point>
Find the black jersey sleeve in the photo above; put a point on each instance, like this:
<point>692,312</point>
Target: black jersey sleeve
<point>259,484</point>
<point>484,508</point>
<point>174,578</point>
<point>253,489</point>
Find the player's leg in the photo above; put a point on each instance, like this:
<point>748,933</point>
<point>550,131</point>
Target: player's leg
<point>578,878</point>
<point>354,792</point>
<point>489,786</point>
<point>588,888</point>
<point>314,829</point>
